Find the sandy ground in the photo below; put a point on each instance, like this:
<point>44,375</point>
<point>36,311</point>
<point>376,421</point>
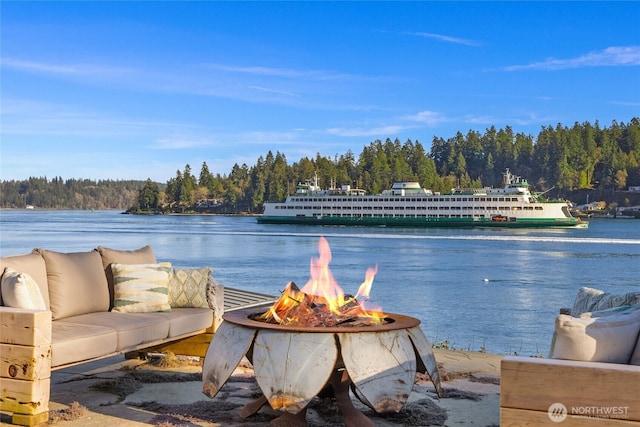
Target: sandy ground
<point>120,392</point>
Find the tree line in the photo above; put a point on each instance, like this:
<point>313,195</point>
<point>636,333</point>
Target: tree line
<point>58,193</point>
<point>567,160</point>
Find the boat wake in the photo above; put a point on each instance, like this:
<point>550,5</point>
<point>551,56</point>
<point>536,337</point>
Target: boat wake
<point>509,238</point>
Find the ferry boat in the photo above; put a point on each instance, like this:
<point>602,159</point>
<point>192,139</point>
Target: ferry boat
<point>407,204</point>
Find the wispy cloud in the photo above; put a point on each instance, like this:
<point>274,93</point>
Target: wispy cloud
<point>61,69</point>
<point>279,92</point>
<point>27,117</point>
<point>380,131</point>
<point>180,143</point>
<point>445,38</point>
<point>430,118</point>
<point>413,121</point>
<point>610,57</point>
<point>257,70</point>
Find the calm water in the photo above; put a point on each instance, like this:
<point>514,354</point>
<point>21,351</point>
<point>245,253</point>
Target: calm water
<point>498,289</point>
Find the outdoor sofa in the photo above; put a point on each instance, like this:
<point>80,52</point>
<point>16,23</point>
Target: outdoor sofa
<point>592,375</point>
<point>61,309</point>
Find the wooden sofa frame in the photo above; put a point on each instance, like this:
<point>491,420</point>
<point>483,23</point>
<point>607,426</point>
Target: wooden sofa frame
<point>25,353</point>
<point>593,393</point>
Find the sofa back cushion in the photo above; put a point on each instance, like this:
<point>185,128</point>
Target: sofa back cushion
<point>33,265</point>
<point>77,283</point>
<point>144,255</point>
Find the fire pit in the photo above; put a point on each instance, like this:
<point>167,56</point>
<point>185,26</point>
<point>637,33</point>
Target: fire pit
<point>294,362</point>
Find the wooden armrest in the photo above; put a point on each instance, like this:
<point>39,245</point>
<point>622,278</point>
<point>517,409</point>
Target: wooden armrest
<point>25,327</point>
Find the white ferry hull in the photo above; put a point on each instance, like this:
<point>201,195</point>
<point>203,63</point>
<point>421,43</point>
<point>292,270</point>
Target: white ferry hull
<point>406,204</point>
<point>422,222</point>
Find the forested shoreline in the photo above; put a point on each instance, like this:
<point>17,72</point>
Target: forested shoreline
<point>575,163</point>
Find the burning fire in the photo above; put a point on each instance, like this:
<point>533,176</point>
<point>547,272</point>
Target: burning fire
<point>322,302</point>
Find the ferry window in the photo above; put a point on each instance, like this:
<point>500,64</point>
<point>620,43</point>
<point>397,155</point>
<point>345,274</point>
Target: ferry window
<point>464,199</point>
<point>538,208</point>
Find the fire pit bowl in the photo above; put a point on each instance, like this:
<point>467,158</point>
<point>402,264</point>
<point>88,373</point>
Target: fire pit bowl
<point>294,364</point>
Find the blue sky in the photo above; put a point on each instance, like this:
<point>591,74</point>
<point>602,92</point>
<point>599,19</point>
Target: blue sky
<point>137,90</point>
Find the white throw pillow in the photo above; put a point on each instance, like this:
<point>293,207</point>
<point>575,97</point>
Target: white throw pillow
<point>603,339</point>
<point>19,290</point>
<point>141,288</point>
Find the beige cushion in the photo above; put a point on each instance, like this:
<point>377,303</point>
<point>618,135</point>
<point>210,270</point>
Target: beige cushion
<point>77,283</point>
<point>603,339</point>
<point>188,287</point>
<point>132,329</point>
<point>19,290</point>
<point>34,266</point>
<point>144,255</point>
<point>187,320</point>
<point>73,342</point>
<point>141,288</point>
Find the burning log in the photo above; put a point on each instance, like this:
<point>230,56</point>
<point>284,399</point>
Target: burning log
<point>297,308</point>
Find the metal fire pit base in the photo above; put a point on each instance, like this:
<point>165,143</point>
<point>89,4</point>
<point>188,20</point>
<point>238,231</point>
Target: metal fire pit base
<point>340,383</point>
<point>294,365</point>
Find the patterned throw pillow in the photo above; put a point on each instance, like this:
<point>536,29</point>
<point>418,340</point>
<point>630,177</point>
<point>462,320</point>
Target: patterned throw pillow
<point>141,288</point>
<point>188,287</point>
<point>19,290</point>
<point>589,299</point>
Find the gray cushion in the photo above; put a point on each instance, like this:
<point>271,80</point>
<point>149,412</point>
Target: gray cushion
<point>132,328</point>
<point>74,342</point>
<point>186,320</point>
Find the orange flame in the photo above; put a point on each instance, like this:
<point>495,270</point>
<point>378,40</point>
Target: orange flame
<point>321,301</point>
<point>321,283</point>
